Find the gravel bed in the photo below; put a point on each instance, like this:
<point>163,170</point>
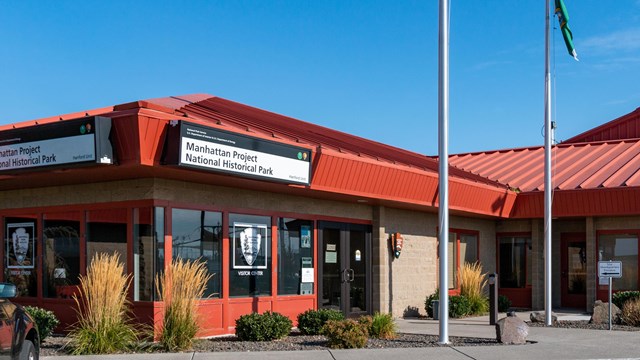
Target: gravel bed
<point>53,346</point>
<point>584,324</point>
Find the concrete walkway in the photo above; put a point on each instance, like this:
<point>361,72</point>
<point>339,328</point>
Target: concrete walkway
<point>550,343</point>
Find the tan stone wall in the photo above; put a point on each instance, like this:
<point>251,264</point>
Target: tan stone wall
<point>617,223</point>
<point>77,194</point>
<point>414,275</point>
<point>179,191</point>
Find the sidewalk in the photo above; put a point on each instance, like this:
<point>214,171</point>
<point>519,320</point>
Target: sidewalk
<point>550,343</point>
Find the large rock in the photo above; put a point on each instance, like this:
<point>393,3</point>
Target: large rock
<point>539,317</point>
<point>601,313</point>
<point>511,330</point>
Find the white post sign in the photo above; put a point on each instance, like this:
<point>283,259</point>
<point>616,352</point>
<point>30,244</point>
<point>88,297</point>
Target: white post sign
<point>609,270</point>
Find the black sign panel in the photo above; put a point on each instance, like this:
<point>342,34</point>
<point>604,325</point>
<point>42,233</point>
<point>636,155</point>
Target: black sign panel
<point>211,149</point>
<point>70,142</point>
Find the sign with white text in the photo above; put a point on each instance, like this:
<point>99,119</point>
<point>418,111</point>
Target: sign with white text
<point>56,144</point>
<point>218,150</point>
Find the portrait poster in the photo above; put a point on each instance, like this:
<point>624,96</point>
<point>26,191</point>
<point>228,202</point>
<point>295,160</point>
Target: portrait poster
<point>20,241</point>
<point>305,236</point>
<point>250,246</point>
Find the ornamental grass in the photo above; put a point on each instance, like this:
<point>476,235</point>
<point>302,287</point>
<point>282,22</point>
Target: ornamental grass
<point>472,284</point>
<point>180,288</point>
<point>103,325</point>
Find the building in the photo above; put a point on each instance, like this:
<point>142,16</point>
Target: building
<point>291,216</point>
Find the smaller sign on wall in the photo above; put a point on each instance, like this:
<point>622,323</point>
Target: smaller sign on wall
<point>330,257</point>
<point>307,275</point>
<point>20,245</point>
<point>249,246</point>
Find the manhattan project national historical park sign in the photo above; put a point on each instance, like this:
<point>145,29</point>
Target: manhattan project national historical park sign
<point>211,149</point>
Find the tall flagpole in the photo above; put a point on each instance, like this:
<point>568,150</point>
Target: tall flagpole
<point>547,174</point>
<point>443,153</point>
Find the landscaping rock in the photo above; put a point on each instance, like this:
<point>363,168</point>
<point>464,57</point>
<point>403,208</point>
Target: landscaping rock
<point>511,330</point>
<point>601,313</point>
<point>539,317</point>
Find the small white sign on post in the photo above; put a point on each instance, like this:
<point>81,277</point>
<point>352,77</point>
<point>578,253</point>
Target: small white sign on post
<point>610,269</point>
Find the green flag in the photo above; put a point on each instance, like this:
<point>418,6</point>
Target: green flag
<point>563,18</point>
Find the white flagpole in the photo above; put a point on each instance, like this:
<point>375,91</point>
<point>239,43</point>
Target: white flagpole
<point>443,153</point>
<point>547,175</point>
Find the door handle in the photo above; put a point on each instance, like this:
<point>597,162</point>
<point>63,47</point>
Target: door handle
<point>348,275</point>
<point>351,275</point>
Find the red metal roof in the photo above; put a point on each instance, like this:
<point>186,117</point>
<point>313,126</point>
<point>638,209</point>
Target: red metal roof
<point>242,118</point>
<point>624,127</point>
<point>345,167</point>
<point>594,165</point>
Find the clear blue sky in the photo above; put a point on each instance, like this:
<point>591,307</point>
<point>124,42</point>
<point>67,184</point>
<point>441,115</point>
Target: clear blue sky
<point>368,68</point>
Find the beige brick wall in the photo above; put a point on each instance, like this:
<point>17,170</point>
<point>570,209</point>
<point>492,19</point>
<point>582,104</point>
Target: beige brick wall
<point>414,275</point>
<point>179,191</point>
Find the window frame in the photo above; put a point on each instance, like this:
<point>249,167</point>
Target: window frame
<point>456,289</point>
<point>603,288</point>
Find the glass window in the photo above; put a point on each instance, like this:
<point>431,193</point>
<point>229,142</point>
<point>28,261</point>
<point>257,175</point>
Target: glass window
<point>514,261</point>
<point>250,265</point>
<point>621,247</point>
<point>468,248</point>
<point>295,253</point>
<point>196,236</point>
<point>107,233</point>
<point>61,254</point>
<point>452,257</point>
<point>148,243</point>
<point>20,253</point>
<point>159,235</point>
<point>463,248</point>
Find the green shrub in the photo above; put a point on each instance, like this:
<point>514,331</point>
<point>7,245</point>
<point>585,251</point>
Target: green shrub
<point>459,306</point>
<point>503,303</point>
<point>345,334</point>
<point>631,312</point>
<point>428,303</point>
<point>263,327</point>
<point>382,326</point>
<point>622,297</point>
<point>478,305</point>
<point>311,322</point>
<point>45,320</point>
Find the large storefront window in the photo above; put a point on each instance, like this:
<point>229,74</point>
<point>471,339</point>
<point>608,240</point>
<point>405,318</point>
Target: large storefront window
<point>295,257</point>
<point>624,248</point>
<point>515,261</point>
<point>61,254</point>
<point>148,243</point>
<point>107,233</point>
<point>197,236</point>
<point>20,254</point>
<point>250,265</point>
<point>463,248</point>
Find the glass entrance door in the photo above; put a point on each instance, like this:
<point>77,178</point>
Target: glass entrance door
<point>345,269</point>
<point>574,270</point>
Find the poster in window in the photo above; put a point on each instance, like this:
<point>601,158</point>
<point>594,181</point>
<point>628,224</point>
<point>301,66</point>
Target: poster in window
<point>20,245</point>
<point>305,236</point>
<point>249,246</point>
